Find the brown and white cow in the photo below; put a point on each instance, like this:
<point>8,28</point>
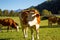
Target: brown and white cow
<point>10,23</point>
<point>30,19</point>
<point>53,20</point>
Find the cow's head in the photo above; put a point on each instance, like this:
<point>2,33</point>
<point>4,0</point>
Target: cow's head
<point>15,25</point>
<point>32,14</point>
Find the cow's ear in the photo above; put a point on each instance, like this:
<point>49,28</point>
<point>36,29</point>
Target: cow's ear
<point>37,15</point>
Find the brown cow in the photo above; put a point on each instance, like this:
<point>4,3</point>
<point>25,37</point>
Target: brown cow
<point>10,23</point>
<point>53,20</point>
<point>31,19</point>
<point>58,21</point>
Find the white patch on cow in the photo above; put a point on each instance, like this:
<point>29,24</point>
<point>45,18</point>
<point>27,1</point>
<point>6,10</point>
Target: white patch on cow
<point>31,12</point>
<point>33,15</point>
<point>17,28</point>
<point>33,22</point>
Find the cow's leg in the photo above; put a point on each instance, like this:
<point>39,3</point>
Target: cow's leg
<point>49,24</point>
<point>37,34</point>
<point>37,31</point>
<point>58,24</point>
<point>25,32</point>
<point>32,34</point>
<point>0,27</point>
<point>8,28</point>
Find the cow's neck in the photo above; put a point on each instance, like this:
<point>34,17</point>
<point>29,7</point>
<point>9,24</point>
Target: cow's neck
<point>33,22</point>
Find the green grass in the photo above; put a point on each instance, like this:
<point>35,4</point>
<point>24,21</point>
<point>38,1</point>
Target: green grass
<point>46,33</point>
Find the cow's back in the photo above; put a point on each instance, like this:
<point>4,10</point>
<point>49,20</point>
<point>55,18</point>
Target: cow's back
<point>7,22</point>
<point>52,19</point>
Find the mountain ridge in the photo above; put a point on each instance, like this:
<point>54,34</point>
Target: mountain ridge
<point>53,6</point>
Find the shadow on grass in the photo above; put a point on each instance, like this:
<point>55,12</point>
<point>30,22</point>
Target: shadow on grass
<point>6,38</point>
<point>53,26</point>
<point>5,28</point>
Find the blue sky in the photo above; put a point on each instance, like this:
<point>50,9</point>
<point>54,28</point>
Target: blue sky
<point>18,4</point>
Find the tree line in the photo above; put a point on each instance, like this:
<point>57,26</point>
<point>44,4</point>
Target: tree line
<point>44,12</point>
<point>8,13</point>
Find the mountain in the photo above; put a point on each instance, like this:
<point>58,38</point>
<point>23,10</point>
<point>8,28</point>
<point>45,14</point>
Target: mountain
<point>18,10</point>
<point>53,6</point>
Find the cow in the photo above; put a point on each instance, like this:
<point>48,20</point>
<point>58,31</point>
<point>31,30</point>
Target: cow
<point>10,23</point>
<point>58,21</point>
<point>30,19</point>
<point>53,20</point>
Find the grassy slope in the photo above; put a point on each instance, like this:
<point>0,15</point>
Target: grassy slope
<point>45,32</point>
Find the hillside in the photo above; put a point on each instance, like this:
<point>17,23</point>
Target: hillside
<point>53,6</point>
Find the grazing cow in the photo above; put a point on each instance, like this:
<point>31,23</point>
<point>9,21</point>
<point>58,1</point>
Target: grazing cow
<point>53,20</point>
<point>10,23</point>
<point>30,19</point>
<point>58,21</point>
